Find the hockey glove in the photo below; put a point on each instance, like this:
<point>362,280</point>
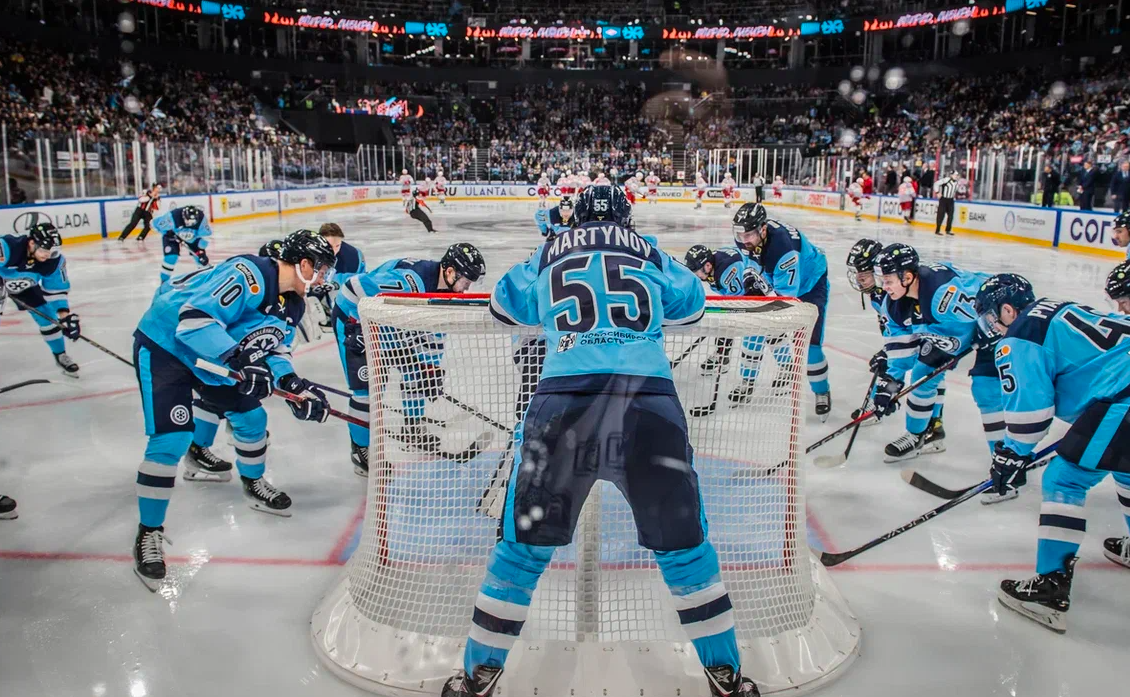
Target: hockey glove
<point>1009,469</point>
<point>879,363</point>
<point>70,327</point>
<point>929,354</point>
<point>201,256</point>
<point>256,382</point>
<point>314,406</point>
<point>886,389</point>
<point>755,284</point>
<point>354,339</point>
<point>322,290</point>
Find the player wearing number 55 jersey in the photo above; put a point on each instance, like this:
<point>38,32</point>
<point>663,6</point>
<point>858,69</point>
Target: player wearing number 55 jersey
<point>1065,360</point>
<point>423,377</point>
<point>794,267</point>
<point>603,294</point>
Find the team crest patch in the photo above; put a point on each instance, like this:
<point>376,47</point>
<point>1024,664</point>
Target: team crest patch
<point>261,342</point>
<point>1002,352</point>
<point>566,342</point>
<point>180,415</point>
<point>248,275</point>
<point>363,373</point>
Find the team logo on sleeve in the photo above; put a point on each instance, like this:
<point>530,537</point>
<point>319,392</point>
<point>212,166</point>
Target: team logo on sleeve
<point>566,342</point>
<point>19,285</point>
<point>1002,352</point>
<point>248,275</point>
<point>261,342</point>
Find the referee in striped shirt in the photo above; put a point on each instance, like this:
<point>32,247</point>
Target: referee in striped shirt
<point>946,190</point>
<point>147,203</point>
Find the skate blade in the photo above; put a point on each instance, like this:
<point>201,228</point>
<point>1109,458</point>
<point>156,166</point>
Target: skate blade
<point>152,584</point>
<point>73,376</point>
<point>203,476</point>
<point>256,505</point>
<point>360,471</point>
<point>10,515</point>
<point>933,448</point>
<point>901,458</point>
<point>990,497</point>
<point>1045,617</point>
<point>1106,553</point>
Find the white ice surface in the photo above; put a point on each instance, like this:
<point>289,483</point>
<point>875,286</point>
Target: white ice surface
<point>233,620</point>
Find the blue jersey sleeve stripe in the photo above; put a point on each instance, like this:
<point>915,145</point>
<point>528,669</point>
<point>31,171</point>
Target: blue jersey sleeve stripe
<point>500,314</point>
<point>690,319</point>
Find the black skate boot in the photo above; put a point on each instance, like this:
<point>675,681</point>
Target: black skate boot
<point>1044,599</point>
<point>905,447</point>
<point>935,441</point>
<point>1116,549</point>
<point>149,556</point>
<point>719,362</point>
<point>261,495</point>
<point>743,393</point>
<point>69,367</point>
<point>824,406</point>
<point>726,682</point>
<point>414,436</point>
<point>202,465</point>
<point>870,420</point>
<point>482,684</point>
<point>359,455</point>
<point>8,508</point>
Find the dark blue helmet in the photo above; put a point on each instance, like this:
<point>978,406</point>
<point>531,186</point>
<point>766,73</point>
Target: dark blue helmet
<point>897,258</point>
<point>466,259</point>
<point>1118,281</point>
<point>46,236</point>
<point>1004,288</point>
<point>308,245</point>
<point>1122,220</point>
<point>192,216</point>
<point>603,203</point>
<point>697,257</point>
<point>861,260</point>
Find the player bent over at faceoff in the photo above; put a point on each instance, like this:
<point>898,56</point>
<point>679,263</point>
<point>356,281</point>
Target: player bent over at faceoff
<point>583,401</point>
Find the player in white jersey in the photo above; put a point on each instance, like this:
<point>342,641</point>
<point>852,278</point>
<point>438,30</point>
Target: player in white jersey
<point>427,187</point>
<point>441,186</point>
<point>778,187</point>
<point>584,181</point>
<point>601,180</point>
<point>632,189</point>
<point>652,182</point>
<point>566,184</point>
<point>855,194</point>
<point>906,198</point>
<point>405,187</point>
<point>543,190</point>
<point>728,185</point>
<point>700,189</point>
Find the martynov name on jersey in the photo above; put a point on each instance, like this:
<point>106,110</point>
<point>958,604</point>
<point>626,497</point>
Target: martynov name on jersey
<point>610,235</point>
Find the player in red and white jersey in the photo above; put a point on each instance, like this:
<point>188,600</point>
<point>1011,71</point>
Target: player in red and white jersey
<point>441,186</point>
<point>584,181</point>
<point>855,193</point>
<point>632,189</point>
<point>567,184</point>
<point>601,180</point>
<point>907,194</point>
<point>728,185</point>
<point>699,189</point>
<point>778,187</point>
<point>428,186</point>
<point>405,187</point>
<point>652,187</point>
<point>543,190</point>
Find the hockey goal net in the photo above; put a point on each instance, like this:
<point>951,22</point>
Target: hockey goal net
<point>602,621</point>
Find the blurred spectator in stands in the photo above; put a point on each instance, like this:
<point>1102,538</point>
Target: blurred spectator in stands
<point>1086,187</point>
<point>1049,183</point>
<point>16,195</point>
<point>1120,188</point>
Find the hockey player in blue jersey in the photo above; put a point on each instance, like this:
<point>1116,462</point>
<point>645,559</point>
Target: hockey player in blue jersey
<point>460,266</point>
<point>792,266</point>
<point>552,221</point>
<point>936,303</point>
<point>228,315</point>
<point>1120,232</point>
<point>185,224</point>
<point>350,261</point>
<point>1118,287</point>
<point>245,415</point>
<point>34,273</point>
<point>602,293</point>
<point>900,343</point>
<point>1059,360</point>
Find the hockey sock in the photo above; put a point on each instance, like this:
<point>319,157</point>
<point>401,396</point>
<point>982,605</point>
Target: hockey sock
<point>49,331</point>
<point>158,473</point>
<point>167,266</point>
<point>249,429</point>
<point>919,410</point>
<point>939,403</point>
<point>1122,488</point>
<point>503,602</point>
<point>702,602</point>
<point>359,408</point>
<point>1063,523</point>
<point>817,371</point>
<point>207,424</point>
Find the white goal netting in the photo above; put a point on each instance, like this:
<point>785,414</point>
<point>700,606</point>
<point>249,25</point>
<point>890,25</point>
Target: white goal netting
<point>446,382</point>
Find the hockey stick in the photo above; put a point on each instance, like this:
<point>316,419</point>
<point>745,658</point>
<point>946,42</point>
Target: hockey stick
<point>829,461</point>
<point>830,559</point>
<point>709,408</point>
<point>694,344</point>
<point>25,383</point>
<point>904,392</point>
<point>493,499</point>
<point>475,412</point>
<point>342,393</point>
<point>55,322</point>
<point>920,482</point>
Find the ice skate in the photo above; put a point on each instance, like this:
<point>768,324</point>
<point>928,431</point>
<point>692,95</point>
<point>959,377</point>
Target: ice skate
<point>906,447</point>
<point>935,441</point>
<point>261,495</point>
<point>202,465</point>
<point>1043,598</point>
<point>724,681</point>
<point>482,684</point>
<point>824,406</point>
<point>8,508</point>
<point>149,556</point>
<point>717,362</point>
<point>68,366</point>
<point>1116,549</point>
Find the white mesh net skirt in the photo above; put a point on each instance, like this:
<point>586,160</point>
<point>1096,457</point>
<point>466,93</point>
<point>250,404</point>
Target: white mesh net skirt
<point>445,380</point>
